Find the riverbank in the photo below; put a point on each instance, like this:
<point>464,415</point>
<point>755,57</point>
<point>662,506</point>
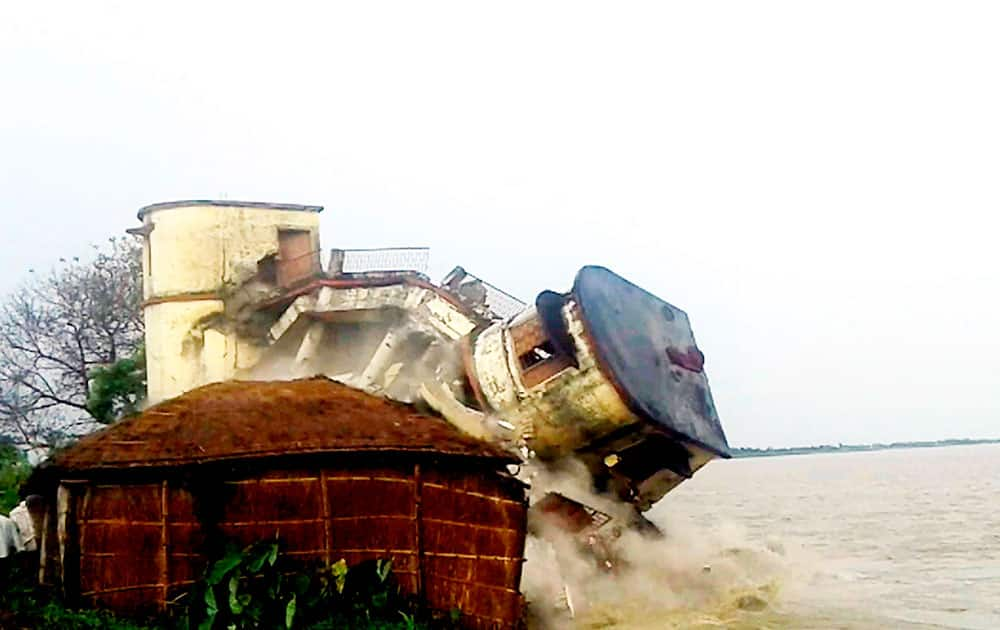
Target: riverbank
<point>851,448</point>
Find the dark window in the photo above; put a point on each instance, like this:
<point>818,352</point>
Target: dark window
<point>536,355</point>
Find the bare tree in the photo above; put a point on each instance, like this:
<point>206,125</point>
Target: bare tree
<point>56,330</point>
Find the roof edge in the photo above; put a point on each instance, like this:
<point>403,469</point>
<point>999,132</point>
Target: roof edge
<point>54,470</point>
<point>258,205</point>
<point>458,445</point>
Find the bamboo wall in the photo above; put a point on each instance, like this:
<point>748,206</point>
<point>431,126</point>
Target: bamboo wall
<point>456,537</point>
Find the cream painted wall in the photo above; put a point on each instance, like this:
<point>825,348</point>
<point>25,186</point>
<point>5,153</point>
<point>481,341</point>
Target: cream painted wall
<point>173,350</point>
<point>195,249</point>
<point>193,253</point>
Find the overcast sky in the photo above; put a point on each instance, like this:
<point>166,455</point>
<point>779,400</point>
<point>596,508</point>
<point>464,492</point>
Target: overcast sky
<point>816,184</point>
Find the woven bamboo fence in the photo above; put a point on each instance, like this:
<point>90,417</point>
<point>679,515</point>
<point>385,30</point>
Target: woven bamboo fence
<point>455,534</point>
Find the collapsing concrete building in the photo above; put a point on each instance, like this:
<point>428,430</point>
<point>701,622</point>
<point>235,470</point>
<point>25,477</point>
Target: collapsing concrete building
<point>265,372</point>
<point>606,373</point>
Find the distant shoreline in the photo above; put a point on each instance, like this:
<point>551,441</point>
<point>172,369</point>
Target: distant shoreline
<point>850,448</point>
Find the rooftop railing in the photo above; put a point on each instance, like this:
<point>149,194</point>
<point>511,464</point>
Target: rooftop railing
<point>380,259</point>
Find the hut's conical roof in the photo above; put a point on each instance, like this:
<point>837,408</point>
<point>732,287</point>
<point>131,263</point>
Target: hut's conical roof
<point>242,420</point>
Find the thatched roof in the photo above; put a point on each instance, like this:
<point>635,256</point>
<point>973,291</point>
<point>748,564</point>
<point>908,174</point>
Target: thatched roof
<point>246,420</point>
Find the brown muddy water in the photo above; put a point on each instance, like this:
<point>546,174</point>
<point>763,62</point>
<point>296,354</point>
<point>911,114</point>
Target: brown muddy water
<point>892,539</point>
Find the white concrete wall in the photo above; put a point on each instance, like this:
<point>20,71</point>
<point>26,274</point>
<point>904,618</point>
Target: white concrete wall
<point>194,254</point>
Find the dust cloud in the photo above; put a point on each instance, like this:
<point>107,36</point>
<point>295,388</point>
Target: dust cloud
<point>690,578</point>
<point>391,361</point>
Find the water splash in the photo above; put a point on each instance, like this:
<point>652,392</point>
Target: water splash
<point>694,577</point>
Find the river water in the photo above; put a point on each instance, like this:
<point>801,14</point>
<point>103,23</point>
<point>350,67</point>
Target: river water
<point>889,539</point>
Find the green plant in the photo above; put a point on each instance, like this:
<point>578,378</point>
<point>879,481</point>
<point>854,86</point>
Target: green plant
<point>244,589</point>
<point>252,588</point>
<point>25,604</point>
<point>117,389</point>
<point>14,470</point>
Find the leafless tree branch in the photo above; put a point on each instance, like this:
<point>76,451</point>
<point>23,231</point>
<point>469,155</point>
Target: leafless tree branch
<point>55,329</point>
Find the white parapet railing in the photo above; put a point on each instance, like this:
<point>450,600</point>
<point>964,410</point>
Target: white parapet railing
<point>380,259</point>
<point>491,301</point>
<point>498,302</point>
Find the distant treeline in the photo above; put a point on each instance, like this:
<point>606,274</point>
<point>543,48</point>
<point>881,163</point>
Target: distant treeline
<point>846,448</point>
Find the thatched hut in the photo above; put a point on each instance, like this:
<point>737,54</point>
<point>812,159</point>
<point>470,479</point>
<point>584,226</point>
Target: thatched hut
<point>336,472</point>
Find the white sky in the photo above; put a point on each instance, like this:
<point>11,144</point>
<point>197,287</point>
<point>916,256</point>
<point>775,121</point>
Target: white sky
<point>816,184</point>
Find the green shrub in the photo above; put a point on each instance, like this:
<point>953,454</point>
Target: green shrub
<point>116,390</point>
<point>14,470</point>
<point>245,589</point>
<point>25,604</point>
<point>252,588</point>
